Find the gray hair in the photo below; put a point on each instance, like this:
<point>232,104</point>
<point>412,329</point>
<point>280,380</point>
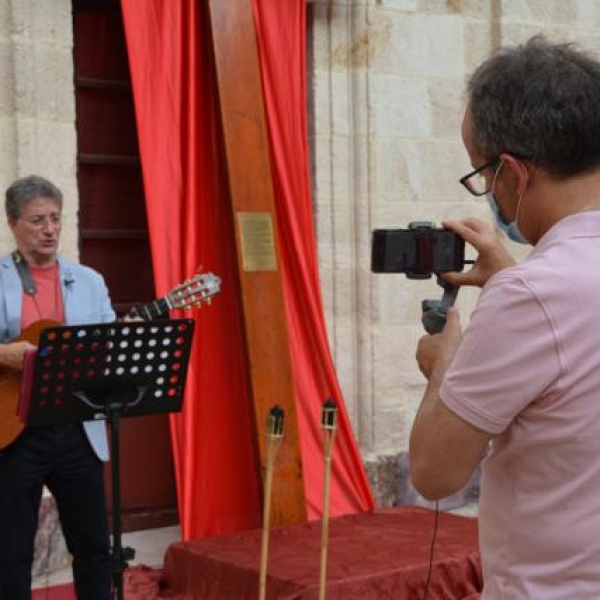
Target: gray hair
<point>27,189</point>
<point>539,101</point>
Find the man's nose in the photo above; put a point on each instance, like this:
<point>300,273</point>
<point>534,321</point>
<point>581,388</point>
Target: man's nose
<point>49,227</point>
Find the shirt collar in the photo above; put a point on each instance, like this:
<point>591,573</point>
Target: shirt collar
<point>578,225</point>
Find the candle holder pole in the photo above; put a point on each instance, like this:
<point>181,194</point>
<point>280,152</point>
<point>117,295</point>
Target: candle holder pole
<point>274,437</point>
<point>329,427</point>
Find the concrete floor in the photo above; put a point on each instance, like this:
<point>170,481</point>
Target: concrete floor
<point>149,545</point>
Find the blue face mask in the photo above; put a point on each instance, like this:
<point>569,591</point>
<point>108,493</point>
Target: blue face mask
<point>510,229</point>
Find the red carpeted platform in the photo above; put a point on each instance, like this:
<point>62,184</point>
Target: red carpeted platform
<point>384,554</point>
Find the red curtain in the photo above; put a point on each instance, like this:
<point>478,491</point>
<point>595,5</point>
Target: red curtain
<point>190,224</point>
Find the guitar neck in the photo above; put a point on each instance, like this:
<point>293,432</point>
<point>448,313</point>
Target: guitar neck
<point>201,288</point>
<point>154,309</point>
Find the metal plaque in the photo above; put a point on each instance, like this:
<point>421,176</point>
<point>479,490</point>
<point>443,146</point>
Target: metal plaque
<point>257,241</point>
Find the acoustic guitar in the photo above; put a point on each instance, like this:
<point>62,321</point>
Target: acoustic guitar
<point>201,288</point>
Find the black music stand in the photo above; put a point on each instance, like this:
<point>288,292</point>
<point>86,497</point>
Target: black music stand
<point>109,371</point>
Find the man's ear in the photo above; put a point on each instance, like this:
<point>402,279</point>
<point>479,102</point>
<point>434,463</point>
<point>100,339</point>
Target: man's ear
<point>519,171</point>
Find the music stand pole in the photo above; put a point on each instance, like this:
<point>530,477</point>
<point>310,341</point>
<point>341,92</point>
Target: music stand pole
<point>274,438</point>
<point>119,555</point>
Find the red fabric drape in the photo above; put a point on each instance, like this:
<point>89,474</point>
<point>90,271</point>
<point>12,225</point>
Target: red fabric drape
<point>190,223</point>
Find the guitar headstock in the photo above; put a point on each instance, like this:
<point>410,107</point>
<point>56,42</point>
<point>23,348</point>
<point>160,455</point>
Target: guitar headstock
<point>194,292</point>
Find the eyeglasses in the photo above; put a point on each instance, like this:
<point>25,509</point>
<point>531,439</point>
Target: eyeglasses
<point>476,182</point>
<point>39,221</point>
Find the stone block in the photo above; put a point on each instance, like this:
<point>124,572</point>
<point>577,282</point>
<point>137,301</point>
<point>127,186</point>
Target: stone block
<point>332,160</point>
<point>387,426</point>
<point>399,213</point>
<point>25,80</point>
<point>447,102</point>
<point>358,37</point>
<point>588,14</point>
<point>361,172</point>
<point>7,107</point>
<point>540,12</point>
<point>340,162</point>
<point>478,46</point>
<point>401,107</point>
<point>394,170</point>
<point>54,88</point>
<point>400,299</point>
<point>344,295</point>
<point>5,18</point>
<point>350,102</point>
<point>20,17</point>
<point>8,154</point>
<point>515,32</point>
<point>318,32</point>
<point>409,6</point>
<point>49,149</point>
<point>319,97</point>
<point>323,176</point>
<point>52,23</point>
<point>423,46</point>
<point>421,170</point>
<point>394,366</point>
<point>343,345</point>
<point>472,8</point>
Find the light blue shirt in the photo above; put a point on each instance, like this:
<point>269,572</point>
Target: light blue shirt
<point>85,299</point>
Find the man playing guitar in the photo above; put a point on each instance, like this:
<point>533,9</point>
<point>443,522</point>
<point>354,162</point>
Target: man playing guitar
<point>36,283</point>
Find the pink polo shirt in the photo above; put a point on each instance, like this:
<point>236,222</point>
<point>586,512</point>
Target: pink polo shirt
<point>528,371</point>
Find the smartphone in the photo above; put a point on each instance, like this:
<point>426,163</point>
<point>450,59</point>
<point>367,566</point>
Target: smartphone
<point>418,251</point>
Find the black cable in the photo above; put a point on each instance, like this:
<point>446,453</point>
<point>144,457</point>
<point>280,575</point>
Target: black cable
<point>435,527</point>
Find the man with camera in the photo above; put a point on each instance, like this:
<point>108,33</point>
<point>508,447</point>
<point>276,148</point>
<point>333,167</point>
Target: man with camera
<point>521,385</point>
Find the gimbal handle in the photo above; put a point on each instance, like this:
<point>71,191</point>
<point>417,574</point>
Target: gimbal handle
<point>434,311</point>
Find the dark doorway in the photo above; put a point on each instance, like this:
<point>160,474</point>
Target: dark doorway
<point>113,235</point>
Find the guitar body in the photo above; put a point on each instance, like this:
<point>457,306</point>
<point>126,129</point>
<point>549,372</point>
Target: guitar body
<point>11,425</point>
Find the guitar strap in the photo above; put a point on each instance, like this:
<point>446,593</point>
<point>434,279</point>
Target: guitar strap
<point>24,273</point>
